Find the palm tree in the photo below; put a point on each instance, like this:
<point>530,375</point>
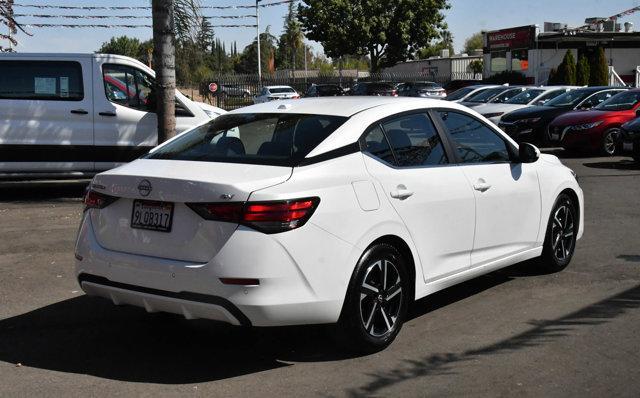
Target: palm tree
<point>171,19</point>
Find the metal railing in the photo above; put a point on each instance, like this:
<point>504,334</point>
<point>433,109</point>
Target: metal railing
<point>615,79</point>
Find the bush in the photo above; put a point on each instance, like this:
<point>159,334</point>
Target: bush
<point>567,70</point>
<point>599,74</point>
<point>510,77</point>
<point>583,71</point>
<point>553,77</point>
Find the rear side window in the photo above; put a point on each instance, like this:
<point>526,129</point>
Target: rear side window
<point>377,145</point>
<point>41,80</point>
<point>414,141</point>
<point>254,138</point>
<point>474,141</point>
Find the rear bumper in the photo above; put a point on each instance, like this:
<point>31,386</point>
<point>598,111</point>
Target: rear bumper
<point>296,286</point>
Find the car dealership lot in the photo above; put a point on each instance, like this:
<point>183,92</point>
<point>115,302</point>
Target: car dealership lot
<point>510,332</point>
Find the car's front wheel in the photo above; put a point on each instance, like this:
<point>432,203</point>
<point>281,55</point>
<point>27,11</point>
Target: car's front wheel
<point>377,300</point>
<point>610,142</point>
<point>560,239</point>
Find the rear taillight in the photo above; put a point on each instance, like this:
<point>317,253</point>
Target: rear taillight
<point>97,200</point>
<point>394,93</point>
<point>267,217</point>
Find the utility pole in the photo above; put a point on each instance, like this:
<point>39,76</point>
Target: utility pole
<point>258,29</point>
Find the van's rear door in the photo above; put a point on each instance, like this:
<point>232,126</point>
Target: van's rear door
<point>46,123</point>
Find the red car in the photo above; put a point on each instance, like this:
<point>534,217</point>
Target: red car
<point>596,130</point>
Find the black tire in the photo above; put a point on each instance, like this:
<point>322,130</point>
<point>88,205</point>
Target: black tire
<point>367,313</point>
<point>560,238</point>
<point>609,145</point>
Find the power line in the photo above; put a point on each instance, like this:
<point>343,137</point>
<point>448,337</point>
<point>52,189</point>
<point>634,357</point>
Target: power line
<point>120,16</point>
<point>133,26</point>
<point>93,8</point>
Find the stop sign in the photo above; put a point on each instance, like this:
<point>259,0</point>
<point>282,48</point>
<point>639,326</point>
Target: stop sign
<point>213,87</point>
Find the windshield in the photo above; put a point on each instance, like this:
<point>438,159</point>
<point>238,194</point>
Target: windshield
<point>620,102</point>
<point>485,95</point>
<point>569,99</point>
<point>254,138</point>
<point>506,96</point>
<point>525,97</point>
<point>458,94</point>
<point>426,86</point>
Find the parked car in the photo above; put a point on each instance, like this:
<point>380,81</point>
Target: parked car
<point>274,93</point>
<point>455,85</point>
<point>242,220</point>
<point>466,92</point>
<point>233,90</point>
<point>374,89</point>
<point>422,90</point>
<point>530,97</point>
<point>597,130</point>
<point>630,139</point>
<point>72,115</point>
<point>324,90</point>
<point>497,95</point>
<point>530,124</point>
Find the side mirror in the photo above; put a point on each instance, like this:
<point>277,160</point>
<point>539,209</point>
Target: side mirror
<point>528,153</point>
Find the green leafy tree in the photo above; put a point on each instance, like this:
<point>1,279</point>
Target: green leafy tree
<point>474,42</point>
<point>476,67</point>
<point>248,60</point>
<point>567,70</point>
<point>445,43</point>
<point>583,71</point>
<point>388,31</point>
<point>122,45</point>
<point>599,73</point>
<point>291,48</point>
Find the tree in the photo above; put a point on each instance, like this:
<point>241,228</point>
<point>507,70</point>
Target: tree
<point>599,73</point>
<point>567,70</point>
<point>6,19</point>
<point>388,31</point>
<point>291,47</point>
<point>473,43</point>
<point>476,67</point>
<point>445,43</point>
<point>249,58</point>
<point>583,71</point>
<point>553,77</point>
<point>171,19</point>
<point>123,45</point>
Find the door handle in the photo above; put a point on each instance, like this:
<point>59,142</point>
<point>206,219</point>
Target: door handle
<point>401,193</point>
<point>481,185</point>
<point>106,113</point>
<point>79,112</point>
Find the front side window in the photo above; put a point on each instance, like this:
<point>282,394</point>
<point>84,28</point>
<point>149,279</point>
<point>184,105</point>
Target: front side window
<point>41,80</point>
<point>506,96</point>
<point>569,99</point>
<point>129,87</point>
<point>252,138</point>
<point>474,141</point>
<point>414,141</point>
<point>525,97</point>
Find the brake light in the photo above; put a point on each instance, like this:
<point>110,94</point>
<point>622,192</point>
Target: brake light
<point>394,93</point>
<point>268,217</point>
<point>97,200</point>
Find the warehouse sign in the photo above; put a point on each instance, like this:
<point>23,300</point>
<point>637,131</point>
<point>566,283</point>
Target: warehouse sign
<point>506,39</point>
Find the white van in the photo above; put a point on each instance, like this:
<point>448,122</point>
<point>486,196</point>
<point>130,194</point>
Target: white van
<point>78,114</point>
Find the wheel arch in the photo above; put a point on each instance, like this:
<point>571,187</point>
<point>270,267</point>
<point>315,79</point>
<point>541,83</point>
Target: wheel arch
<point>405,251</point>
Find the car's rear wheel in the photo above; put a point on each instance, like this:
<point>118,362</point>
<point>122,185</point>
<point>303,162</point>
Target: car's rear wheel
<point>560,239</point>
<point>376,304</point>
<point>610,142</point>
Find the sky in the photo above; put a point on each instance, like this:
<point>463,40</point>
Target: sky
<point>465,17</point>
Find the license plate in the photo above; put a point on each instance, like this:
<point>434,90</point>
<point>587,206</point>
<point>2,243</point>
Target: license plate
<point>627,146</point>
<point>151,215</point>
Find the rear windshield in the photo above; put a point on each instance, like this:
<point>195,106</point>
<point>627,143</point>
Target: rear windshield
<point>525,97</point>
<point>281,90</point>
<point>620,102</point>
<point>458,94</point>
<point>274,139</point>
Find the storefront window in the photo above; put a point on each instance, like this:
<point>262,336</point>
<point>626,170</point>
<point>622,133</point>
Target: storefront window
<point>520,60</point>
<point>498,61</point>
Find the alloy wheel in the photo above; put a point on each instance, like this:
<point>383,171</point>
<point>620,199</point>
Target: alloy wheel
<point>380,298</point>
<point>562,233</point>
<point>611,141</point>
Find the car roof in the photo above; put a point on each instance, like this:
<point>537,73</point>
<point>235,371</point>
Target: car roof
<point>336,106</point>
<point>269,87</point>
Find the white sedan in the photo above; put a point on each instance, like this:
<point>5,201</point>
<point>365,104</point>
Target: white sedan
<point>332,210</point>
<point>272,93</point>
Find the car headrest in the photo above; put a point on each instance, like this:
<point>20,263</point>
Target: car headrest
<point>399,139</point>
<point>230,146</point>
<point>309,133</point>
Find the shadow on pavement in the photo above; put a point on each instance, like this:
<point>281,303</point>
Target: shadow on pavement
<point>27,191</point>
<point>541,332</point>
<point>633,258</point>
<point>624,164</point>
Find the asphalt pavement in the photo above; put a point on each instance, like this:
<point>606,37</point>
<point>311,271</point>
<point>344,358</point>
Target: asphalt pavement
<point>513,332</point>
